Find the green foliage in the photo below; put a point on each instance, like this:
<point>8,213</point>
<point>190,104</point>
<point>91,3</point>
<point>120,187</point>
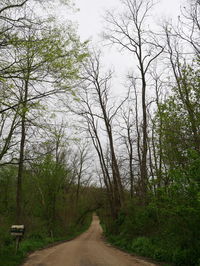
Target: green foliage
<point>49,210</point>
<point>34,242</point>
<point>167,229</point>
<point>170,242</point>
<point>38,59</point>
<point>7,189</point>
<point>180,119</point>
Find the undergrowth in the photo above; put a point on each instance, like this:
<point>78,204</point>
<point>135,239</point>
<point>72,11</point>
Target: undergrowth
<point>32,243</point>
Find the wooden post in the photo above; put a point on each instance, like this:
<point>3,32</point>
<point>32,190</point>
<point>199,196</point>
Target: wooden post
<point>17,244</point>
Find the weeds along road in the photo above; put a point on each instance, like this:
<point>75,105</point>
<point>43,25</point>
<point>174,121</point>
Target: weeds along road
<point>88,249</point>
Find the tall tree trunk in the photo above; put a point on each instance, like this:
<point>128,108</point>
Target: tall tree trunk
<point>21,156</point>
<point>144,132</point>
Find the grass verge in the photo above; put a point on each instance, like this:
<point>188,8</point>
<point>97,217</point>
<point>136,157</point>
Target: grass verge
<point>7,252</point>
<point>140,246</point>
<point>156,249</point>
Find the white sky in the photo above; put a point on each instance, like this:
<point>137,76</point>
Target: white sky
<point>90,15</point>
<point>90,26</point>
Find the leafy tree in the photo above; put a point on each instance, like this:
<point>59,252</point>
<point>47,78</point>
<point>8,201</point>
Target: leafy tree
<point>181,121</point>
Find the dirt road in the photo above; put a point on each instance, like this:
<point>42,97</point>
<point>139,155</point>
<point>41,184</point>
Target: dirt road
<point>88,249</point>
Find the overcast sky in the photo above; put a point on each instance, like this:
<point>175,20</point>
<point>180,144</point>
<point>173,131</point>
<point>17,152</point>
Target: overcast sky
<point>90,26</point>
<point>91,11</point>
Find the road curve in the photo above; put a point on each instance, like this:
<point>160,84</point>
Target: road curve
<point>88,249</point>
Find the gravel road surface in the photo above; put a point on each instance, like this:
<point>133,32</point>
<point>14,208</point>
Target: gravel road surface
<point>89,249</point>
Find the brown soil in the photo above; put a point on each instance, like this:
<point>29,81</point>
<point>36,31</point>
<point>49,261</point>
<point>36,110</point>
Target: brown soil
<point>88,249</point>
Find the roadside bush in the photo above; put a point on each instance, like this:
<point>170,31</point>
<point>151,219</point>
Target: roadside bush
<point>142,246</point>
<point>167,229</point>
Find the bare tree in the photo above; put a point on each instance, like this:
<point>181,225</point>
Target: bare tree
<point>95,107</point>
<point>189,26</point>
<point>128,139</point>
<point>129,30</point>
<point>81,164</point>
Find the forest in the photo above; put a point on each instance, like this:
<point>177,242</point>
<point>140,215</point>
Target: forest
<point>69,146</point>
